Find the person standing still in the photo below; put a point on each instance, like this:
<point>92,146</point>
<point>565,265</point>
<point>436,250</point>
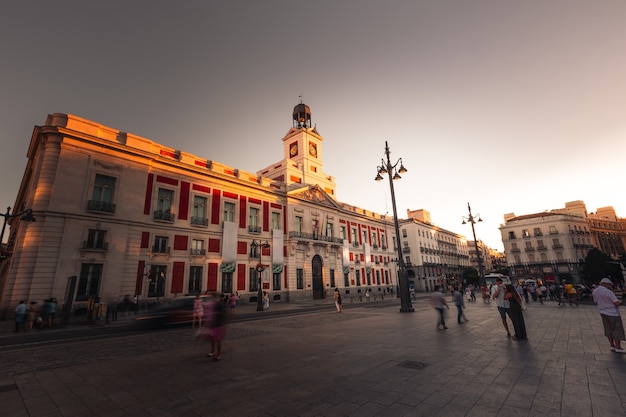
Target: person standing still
<point>502,304</point>
<point>608,306</point>
<point>438,302</point>
<point>198,312</point>
<point>20,315</point>
<point>337,298</point>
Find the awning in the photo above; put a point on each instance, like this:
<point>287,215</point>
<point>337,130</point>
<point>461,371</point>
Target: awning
<point>227,267</point>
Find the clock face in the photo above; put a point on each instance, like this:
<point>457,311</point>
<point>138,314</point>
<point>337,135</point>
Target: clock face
<point>293,149</point>
<point>313,149</point>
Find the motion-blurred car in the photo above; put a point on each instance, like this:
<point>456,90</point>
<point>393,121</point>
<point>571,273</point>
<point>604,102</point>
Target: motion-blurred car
<point>168,312</point>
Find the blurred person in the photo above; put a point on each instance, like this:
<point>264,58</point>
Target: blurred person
<point>20,315</point>
<point>198,312</point>
<point>337,299</point>
<point>458,302</point>
<point>438,302</point>
<point>215,325</point>
<point>516,313</point>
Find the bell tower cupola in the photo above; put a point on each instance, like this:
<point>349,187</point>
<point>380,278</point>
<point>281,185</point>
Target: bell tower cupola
<point>301,116</point>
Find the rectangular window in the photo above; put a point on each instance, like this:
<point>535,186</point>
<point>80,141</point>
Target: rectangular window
<point>197,247</point>
<point>364,236</point>
<point>368,277</point>
<point>387,277</point>
<point>300,279</point>
<point>537,231</point>
<point>329,229</point>
<point>227,282</point>
<point>298,225</point>
<point>276,281</point>
<point>160,245</point>
<point>383,241</point>
<point>199,215</point>
<point>342,233</point>
<point>355,238</point>
<point>377,277</point>
<point>229,212</point>
<point>525,233</point>
<point>553,230</point>
<point>195,280</point>
<point>89,281</point>
<point>346,280</point>
<point>253,221</point>
<point>156,281</point>
<point>275,220</point>
<point>403,232</point>
<point>164,205</point>
<point>253,280</point>
<point>358,277</point>
<point>102,195</point>
<point>332,278</point>
<point>512,235</point>
<point>95,240</point>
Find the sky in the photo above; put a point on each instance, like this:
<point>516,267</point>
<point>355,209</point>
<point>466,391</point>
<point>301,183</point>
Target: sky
<point>513,107</point>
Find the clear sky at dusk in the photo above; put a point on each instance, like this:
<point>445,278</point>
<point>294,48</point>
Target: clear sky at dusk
<point>511,106</point>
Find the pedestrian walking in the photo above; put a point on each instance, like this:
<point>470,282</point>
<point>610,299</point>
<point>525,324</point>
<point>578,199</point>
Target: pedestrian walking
<point>31,314</point>
<point>337,299</point>
<point>438,302</point>
<point>608,306</point>
<point>49,311</point>
<point>502,304</point>
<point>570,292</point>
<point>516,313</point>
<point>215,325</point>
<point>458,302</point>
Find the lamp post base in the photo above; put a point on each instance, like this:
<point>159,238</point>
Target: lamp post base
<point>407,310</point>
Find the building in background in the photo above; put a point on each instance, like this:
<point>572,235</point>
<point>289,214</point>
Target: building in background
<point>552,245</point>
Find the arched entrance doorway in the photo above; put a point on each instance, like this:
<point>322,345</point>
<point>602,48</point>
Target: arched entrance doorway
<point>318,283</point>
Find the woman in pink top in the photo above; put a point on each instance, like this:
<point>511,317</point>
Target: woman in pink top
<point>198,312</point>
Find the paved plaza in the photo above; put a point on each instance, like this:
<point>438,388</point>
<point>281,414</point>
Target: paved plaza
<point>368,361</point>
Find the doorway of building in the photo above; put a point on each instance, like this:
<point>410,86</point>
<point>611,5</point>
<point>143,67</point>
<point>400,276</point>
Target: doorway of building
<point>318,282</point>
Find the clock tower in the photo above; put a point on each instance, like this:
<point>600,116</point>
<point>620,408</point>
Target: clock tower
<point>302,150</point>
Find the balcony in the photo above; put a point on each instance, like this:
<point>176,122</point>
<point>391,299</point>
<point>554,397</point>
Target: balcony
<point>357,261</point>
<point>317,237</point>
<point>557,246</point>
<point>197,252</point>
<point>95,246</point>
<point>383,247</point>
<point>355,244</point>
<point>542,248</point>
<point>529,249</point>
<point>199,221</point>
<point>163,215</point>
<point>254,229</point>
<point>160,250</point>
<point>374,246</point>
<point>515,250</point>
<point>406,249</point>
<point>101,206</point>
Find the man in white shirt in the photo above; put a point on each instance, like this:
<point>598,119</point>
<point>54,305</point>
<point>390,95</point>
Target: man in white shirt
<point>608,305</point>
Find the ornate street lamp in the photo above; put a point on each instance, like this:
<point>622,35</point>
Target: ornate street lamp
<point>25,215</point>
<point>472,220</point>
<point>259,269</point>
<point>394,174</point>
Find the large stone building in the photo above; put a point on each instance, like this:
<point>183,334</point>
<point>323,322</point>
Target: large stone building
<point>118,214</point>
<point>554,243</point>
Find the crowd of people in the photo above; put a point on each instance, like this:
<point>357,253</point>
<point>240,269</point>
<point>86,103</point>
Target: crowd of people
<point>511,300</point>
<point>29,315</point>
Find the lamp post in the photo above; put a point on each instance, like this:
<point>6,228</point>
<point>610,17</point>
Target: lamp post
<point>471,219</point>
<point>26,215</point>
<point>394,174</point>
<point>259,269</point>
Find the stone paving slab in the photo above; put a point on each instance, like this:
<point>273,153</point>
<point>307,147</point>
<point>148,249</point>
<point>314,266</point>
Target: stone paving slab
<point>363,362</point>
